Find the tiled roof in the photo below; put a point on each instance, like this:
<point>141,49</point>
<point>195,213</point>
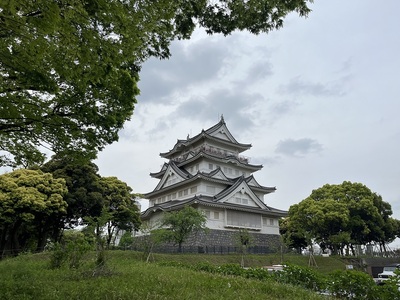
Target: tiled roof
<point>209,201</point>
<point>207,134</point>
<point>222,159</point>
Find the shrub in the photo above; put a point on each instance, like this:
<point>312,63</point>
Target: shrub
<point>351,284</point>
<point>230,269</point>
<point>258,273</point>
<point>72,249</point>
<point>301,276</point>
<point>205,267</point>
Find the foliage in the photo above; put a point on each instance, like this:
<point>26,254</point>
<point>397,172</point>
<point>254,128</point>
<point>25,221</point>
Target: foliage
<point>293,237</point>
<point>95,199</point>
<point>31,202</point>
<point>28,277</point>
<point>120,207</point>
<point>76,105</point>
<point>353,285</point>
<point>181,224</point>
<point>391,287</point>
<point>72,249</point>
<point>126,240</point>
<point>341,216</point>
<point>302,276</point>
<point>84,195</point>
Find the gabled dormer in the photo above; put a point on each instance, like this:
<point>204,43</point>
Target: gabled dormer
<point>221,131</point>
<point>172,175</point>
<point>218,174</point>
<point>240,193</point>
<point>251,181</point>
<point>160,173</point>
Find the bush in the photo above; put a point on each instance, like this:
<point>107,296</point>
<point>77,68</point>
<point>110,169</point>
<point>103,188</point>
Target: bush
<point>205,267</point>
<point>258,273</point>
<point>353,285</point>
<point>71,249</point>
<point>230,269</point>
<point>301,276</point>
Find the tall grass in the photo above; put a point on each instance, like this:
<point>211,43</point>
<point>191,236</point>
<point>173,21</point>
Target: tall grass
<point>126,277</point>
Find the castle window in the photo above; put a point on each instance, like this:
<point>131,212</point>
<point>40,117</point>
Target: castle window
<point>173,196</point>
<point>216,215</point>
<point>180,193</point>
<point>241,198</point>
<point>185,192</point>
<point>265,221</point>
<point>243,219</point>
<point>193,189</point>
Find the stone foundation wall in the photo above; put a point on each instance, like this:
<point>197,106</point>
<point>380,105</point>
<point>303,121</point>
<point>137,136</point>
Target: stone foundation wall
<point>220,241</point>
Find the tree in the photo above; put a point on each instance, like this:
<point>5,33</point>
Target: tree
<point>69,69</point>
<point>293,237</point>
<point>152,235</point>
<point>244,241</point>
<point>106,201</point>
<point>31,203</point>
<point>182,223</point>
<point>85,192</point>
<point>120,208</point>
<point>340,216</point>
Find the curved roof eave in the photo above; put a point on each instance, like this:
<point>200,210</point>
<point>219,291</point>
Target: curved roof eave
<point>220,159</point>
<point>198,176</point>
<point>206,134</point>
<point>202,200</point>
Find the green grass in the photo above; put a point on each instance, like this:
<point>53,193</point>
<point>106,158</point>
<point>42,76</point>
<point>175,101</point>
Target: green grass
<point>127,277</point>
<point>323,265</point>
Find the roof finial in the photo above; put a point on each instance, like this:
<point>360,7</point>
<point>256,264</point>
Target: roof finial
<point>222,118</point>
<point>187,137</point>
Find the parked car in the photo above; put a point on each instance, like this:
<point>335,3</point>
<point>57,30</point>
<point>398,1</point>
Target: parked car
<point>387,272</point>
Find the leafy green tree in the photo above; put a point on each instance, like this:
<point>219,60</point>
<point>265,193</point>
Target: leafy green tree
<point>182,223</point>
<point>126,240</point>
<point>31,203</point>
<point>85,192</point>
<point>340,216</point>
<point>69,69</point>
<point>293,237</point>
<point>122,212</point>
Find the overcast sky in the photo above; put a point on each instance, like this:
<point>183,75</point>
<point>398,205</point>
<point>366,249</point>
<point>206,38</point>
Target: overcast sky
<point>318,100</point>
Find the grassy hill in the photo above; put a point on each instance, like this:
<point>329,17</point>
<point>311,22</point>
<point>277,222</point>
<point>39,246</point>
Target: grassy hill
<point>128,277</point>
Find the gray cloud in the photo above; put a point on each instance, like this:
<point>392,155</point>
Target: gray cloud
<point>282,108</point>
<point>298,148</point>
<point>197,63</point>
<point>235,105</point>
<point>298,86</point>
<point>259,71</point>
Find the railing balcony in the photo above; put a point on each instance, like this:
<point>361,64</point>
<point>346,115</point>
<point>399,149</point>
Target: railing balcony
<point>214,152</point>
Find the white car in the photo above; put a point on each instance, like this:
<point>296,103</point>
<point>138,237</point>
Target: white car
<point>387,272</point>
